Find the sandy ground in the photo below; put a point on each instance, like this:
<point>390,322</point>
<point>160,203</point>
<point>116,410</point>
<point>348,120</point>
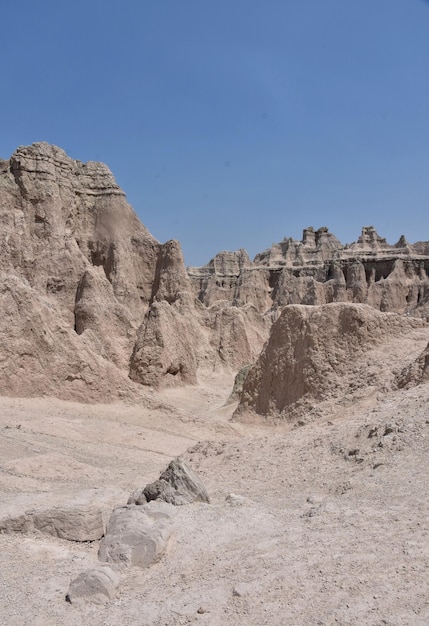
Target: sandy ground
<point>327,523</point>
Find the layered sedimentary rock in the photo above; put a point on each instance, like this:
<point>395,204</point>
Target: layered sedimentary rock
<point>319,269</point>
<point>76,271</point>
<point>93,307</point>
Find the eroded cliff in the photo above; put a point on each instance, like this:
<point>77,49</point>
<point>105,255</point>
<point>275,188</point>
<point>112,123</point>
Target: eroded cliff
<point>319,269</point>
<point>92,306</point>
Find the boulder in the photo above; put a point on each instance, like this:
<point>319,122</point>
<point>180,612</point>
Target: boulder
<point>97,585</point>
<point>177,485</point>
<point>136,535</point>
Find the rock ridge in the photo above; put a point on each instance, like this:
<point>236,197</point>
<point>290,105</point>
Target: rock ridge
<point>319,269</point>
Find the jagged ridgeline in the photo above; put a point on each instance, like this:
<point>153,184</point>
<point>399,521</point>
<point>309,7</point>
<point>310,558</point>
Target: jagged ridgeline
<point>93,307</point>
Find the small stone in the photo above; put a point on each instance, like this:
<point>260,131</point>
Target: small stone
<point>202,609</point>
<point>235,500</point>
<point>388,429</point>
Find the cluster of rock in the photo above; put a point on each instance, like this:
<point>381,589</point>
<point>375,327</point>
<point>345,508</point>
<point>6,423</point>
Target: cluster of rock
<point>93,307</point>
<point>90,302</point>
<point>137,534</point>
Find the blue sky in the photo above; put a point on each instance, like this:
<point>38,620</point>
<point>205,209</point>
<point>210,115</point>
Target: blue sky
<point>232,123</point>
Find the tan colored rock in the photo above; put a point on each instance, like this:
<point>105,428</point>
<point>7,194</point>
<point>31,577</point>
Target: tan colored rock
<point>97,586</point>
<point>89,299</point>
<point>319,269</point>
<point>74,257</point>
<point>62,215</point>
<point>237,334</point>
<point>177,485</point>
<point>72,523</point>
<point>317,353</point>
<point>217,280</point>
<point>171,280</point>
<point>136,535</point>
<point>165,349</point>
<point>109,327</point>
<point>92,307</point>
<point>416,372</point>
<point>41,354</point>
<point>176,340</point>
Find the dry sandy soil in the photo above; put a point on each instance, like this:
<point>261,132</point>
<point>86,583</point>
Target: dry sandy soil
<point>319,524</point>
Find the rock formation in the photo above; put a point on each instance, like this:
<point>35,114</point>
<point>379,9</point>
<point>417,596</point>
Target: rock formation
<point>319,269</point>
<point>177,485</point>
<point>415,372</point>
<point>317,353</point>
<point>90,302</point>
<point>94,308</point>
<point>72,523</point>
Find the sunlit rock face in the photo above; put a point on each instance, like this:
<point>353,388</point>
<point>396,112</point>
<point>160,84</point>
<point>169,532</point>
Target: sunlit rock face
<point>92,307</point>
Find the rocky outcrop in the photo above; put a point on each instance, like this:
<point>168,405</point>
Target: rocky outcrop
<point>177,485</point>
<point>176,340</point>
<point>41,354</point>
<point>322,352</point>
<point>76,271</point>
<point>60,216</point>
<point>166,347</point>
<point>92,306</point>
<point>72,523</point>
<point>415,372</point>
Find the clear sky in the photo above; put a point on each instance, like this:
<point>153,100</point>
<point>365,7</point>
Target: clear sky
<point>232,123</point>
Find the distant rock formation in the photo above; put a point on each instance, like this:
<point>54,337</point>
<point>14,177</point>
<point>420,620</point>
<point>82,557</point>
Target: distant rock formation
<point>319,269</point>
<point>93,308</point>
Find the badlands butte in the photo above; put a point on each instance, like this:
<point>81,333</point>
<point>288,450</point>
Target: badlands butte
<point>115,358</point>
